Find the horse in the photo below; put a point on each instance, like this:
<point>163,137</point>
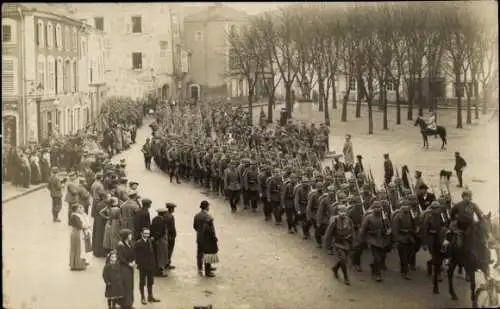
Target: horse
<point>473,254</point>
<point>440,130</point>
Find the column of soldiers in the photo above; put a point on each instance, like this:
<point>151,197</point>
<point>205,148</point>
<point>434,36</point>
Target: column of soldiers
<point>282,168</point>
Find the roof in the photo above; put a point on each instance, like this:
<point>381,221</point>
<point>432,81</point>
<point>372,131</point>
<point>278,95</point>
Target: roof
<point>217,12</point>
<point>46,8</point>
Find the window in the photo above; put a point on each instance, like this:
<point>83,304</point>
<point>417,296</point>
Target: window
<point>7,34</point>
<point>198,36</point>
<point>9,76</point>
<point>66,76</point>
<point>352,83</point>
<point>163,48</point>
<point>136,61</point>
<point>75,77</point>
<point>83,44</point>
<point>40,34</point>
<point>51,75</point>
<point>99,23</point>
<point>390,85</point>
<point>59,77</point>
<point>175,26</point>
<point>41,72</point>
<point>74,39</point>
<point>136,24</point>
<point>58,35</point>
<point>233,59</point>
<point>67,38</point>
<point>50,35</point>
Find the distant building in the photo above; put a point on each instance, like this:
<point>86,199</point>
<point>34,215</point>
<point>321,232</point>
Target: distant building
<point>205,37</point>
<point>140,41</point>
<point>42,68</point>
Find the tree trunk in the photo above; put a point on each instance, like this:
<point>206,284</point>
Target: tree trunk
<point>334,93</point>
<point>288,100</point>
<point>459,101</point>
<point>398,104</point>
<point>370,116</point>
<point>359,97</point>
<point>384,102</point>
<point>270,107</point>
<point>321,86</point>
<point>411,95</point>
<point>468,119</point>
<point>250,106</point>
<point>485,99</point>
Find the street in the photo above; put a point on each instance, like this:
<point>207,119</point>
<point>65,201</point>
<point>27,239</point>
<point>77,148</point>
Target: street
<point>262,266</point>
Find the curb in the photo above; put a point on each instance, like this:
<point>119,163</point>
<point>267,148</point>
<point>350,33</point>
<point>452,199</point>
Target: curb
<point>31,190</point>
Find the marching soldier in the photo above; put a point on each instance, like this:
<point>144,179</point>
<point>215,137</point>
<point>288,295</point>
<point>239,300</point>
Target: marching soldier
<point>55,186</point>
<point>300,203</point>
<point>403,228</point>
<point>340,234</point>
<point>287,202</point>
<point>326,209</point>
<point>242,170</point>
<point>232,185</point>
<point>372,232</point>
<point>251,185</point>
<point>273,192</point>
<point>173,164</point>
<point>462,215</point>
<point>388,169</point>
<point>312,208</point>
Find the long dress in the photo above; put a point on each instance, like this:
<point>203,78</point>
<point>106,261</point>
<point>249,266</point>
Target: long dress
<point>112,228</point>
<point>98,229</point>
<point>77,252</point>
<point>125,255</point>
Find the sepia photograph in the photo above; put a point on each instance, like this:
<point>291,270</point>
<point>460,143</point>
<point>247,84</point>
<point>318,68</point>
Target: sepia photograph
<point>250,155</point>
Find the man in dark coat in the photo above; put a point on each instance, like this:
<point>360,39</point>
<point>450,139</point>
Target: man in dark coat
<point>388,169</point>
<point>55,187</point>
<point>142,218</point>
<point>460,164</point>
<point>171,232</point>
<point>160,246</point>
<point>199,220</point>
<point>145,261</point>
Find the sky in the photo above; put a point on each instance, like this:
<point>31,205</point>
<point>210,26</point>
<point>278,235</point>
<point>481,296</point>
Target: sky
<point>247,7</point>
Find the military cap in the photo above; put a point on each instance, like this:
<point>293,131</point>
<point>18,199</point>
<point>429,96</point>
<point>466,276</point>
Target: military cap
<point>412,197</point>
<point>146,201</point>
<point>366,187</point>
<point>131,193</point>
<point>386,155</point>
<point>418,173</point>
<point>352,180</point>
<point>341,196</point>
<point>405,207</point>
<point>404,202</point>
<point>170,205</point>
<point>204,204</point>
<point>359,157</point>
<point>113,201</point>
<point>319,185</point>
<point>276,170</point>
<point>245,160</point>
<point>99,174</point>
<point>466,192</point>
<point>305,179</point>
<point>423,187</point>
<point>253,162</point>
<point>329,178</point>
<point>344,186</point>
<point>123,180</point>
<point>72,174</point>
<point>342,208</point>
<point>356,200</point>
<point>161,210</point>
<point>330,188</point>
<point>133,183</point>
<point>54,169</point>
<point>376,204</point>
<point>122,161</point>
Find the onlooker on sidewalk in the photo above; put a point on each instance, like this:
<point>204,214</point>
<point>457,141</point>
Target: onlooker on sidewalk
<point>460,164</point>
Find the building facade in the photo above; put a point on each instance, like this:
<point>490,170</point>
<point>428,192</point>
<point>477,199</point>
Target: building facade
<point>205,37</point>
<point>140,42</point>
<point>43,74</point>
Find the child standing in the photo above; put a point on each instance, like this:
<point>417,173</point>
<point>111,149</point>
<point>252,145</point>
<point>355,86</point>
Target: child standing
<point>113,280</point>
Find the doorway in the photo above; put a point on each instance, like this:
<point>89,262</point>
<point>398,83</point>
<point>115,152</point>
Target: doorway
<point>194,92</point>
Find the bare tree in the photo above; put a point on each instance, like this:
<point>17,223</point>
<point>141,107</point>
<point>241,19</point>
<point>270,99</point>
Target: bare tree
<point>285,53</point>
<point>332,49</point>
<point>352,60</point>
<point>399,50</point>
<point>246,58</point>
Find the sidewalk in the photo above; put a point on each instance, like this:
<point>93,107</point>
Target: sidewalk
<point>11,192</point>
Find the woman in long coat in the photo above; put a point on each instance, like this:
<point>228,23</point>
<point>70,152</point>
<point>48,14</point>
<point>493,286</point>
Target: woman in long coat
<point>112,278</point>
<point>45,166</point>
<point>126,256</point>
<point>112,229</point>
<point>36,176</point>
<point>79,234</point>
<point>99,225</point>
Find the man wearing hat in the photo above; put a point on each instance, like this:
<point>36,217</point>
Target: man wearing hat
<point>273,193</point>
<point>127,211</point>
<point>121,190</point>
<point>251,184</point>
<point>313,205</point>
<point>419,181</point>
<point>460,164</point>
<point>71,197</point>
<point>145,261</point>
<point>55,187</point>
<point>97,186</point>
<point>372,233</point>
<point>339,235</point>
<point>84,195</point>
<point>232,185</point>
<point>425,198</point>
<point>160,241</point>
<point>287,202</point>
<point>462,213</point>
<point>348,152</point>
<point>142,218</point>
<point>171,231</point>
<point>388,169</point>
<point>200,219</point>
<point>404,233</point>
<point>242,170</point>
<point>358,166</point>
<point>326,209</point>
<point>147,151</point>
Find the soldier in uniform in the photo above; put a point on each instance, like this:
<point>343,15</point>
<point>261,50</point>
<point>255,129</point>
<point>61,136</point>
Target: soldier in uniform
<point>340,234</point>
<point>287,202</point>
<point>251,185</point>
<point>462,215</point>
<point>127,212</point>
<point>264,175</point>
<point>171,232</point>
<point>358,166</point>
<point>404,231</point>
<point>55,187</point>
<point>312,207</point>
<point>425,198</point>
<point>173,164</point>
<point>300,203</point>
<point>232,185</point>
<point>273,193</point>
<point>242,170</point>
<point>372,232</point>
<point>388,169</point>
<point>326,209</point>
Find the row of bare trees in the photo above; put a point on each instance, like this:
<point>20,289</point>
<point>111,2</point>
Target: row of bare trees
<point>316,45</point>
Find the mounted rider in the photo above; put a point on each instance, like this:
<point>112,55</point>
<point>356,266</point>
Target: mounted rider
<point>462,216</point>
<point>431,122</point>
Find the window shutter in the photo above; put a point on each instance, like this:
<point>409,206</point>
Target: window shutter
<point>9,76</point>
